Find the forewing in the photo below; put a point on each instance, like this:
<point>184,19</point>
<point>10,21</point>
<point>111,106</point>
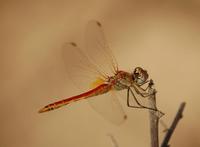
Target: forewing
<point>83,72</point>
<point>96,47</point>
<point>94,61</point>
<point>79,68</point>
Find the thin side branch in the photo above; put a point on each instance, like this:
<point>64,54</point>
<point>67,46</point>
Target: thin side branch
<point>114,141</point>
<point>170,131</point>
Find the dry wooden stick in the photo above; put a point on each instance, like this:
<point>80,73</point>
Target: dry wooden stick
<point>170,131</point>
<point>154,119</point>
<point>114,141</point>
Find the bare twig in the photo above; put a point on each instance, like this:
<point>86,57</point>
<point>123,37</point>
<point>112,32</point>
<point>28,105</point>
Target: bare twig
<point>154,119</point>
<point>114,142</point>
<point>170,131</point>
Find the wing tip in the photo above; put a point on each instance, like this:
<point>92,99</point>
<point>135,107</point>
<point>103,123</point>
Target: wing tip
<point>70,44</point>
<point>125,117</point>
<point>93,21</point>
<point>121,121</point>
<point>98,23</point>
<point>73,44</point>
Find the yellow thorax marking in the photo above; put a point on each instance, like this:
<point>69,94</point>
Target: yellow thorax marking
<point>97,82</point>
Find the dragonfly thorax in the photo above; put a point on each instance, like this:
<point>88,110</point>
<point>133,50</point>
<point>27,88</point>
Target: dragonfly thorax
<point>121,80</point>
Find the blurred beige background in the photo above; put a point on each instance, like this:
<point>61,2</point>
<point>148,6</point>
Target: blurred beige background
<point>161,36</point>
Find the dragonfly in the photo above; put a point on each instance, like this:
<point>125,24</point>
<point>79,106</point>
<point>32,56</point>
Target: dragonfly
<point>101,72</point>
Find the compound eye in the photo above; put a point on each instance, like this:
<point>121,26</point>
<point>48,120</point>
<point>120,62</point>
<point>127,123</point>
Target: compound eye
<point>136,74</point>
<point>136,71</point>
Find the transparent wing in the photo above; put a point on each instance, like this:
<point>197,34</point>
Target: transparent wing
<point>79,68</point>
<point>97,49</point>
<point>82,72</point>
<point>109,106</point>
<point>101,55</point>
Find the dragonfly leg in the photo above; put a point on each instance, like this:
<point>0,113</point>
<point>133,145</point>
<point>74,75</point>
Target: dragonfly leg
<point>143,94</point>
<point>150,84</point>
<point>160,114</point>
<point>128,103</point>
<point>141,106</point>
<point>145,89</point>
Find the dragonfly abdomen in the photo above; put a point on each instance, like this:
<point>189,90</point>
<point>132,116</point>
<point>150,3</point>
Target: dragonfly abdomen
<point>101,89</point>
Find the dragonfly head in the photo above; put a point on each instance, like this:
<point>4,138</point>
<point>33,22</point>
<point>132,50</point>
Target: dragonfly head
<point>140,75</point>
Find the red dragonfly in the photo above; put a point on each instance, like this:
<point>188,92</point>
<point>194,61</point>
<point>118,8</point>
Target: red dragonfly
<point>98,66</point>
